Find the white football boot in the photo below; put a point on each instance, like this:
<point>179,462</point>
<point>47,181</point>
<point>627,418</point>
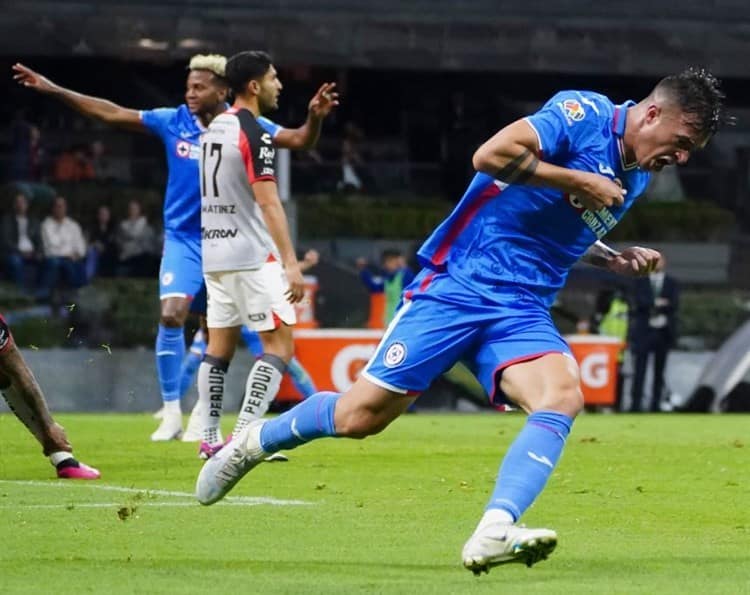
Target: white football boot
<point>223,470</point>
<point>194,430</point>
<point>502,543</point>
<point>170,427</point>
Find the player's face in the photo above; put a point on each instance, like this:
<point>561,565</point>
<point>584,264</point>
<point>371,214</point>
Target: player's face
<point>202,93</point>
<point>667,138</point>
<point>270,88</point>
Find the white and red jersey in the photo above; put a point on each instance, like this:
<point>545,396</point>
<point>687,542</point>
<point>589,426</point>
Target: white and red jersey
<point>236,152</point>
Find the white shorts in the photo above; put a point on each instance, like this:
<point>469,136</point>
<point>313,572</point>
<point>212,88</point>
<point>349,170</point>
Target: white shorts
<point>254,298</point>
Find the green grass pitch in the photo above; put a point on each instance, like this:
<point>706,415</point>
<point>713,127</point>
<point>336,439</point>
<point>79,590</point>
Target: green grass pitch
<point>642,504</point>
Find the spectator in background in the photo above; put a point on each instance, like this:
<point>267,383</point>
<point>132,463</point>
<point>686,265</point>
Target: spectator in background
<point>74,165</point>
<point>20,240</point>
<point>104,167</point>
<point>654,331</point>
<point>64,250</point>
<point>101,257</point>
<point>390,281</point>
<point>136,242</point>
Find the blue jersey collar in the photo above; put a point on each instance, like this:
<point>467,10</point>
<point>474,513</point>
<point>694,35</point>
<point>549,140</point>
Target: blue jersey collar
<point>618,127</point>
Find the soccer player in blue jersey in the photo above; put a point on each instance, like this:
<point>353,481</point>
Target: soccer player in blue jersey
<point>548,187</point>
<point>180,276</point>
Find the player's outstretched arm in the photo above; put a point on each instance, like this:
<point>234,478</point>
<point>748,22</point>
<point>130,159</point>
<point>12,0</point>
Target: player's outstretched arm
<point>512,156</point>
<point>267,198</point>
<point>93,107</point>
<point>633,262</point>
<point>306,136</point>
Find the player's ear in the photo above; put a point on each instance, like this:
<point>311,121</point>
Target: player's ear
<point>254,87</point>
<point>653,111</point>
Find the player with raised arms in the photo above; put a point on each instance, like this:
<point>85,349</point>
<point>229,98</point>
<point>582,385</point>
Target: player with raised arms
<point>179,129</point>
<point>251,270</point>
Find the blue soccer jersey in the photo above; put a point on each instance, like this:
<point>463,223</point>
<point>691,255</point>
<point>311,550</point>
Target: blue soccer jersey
<point>527,237</point>
<point>181,274</point>
<point>494,266</point>
<point>180,132</point>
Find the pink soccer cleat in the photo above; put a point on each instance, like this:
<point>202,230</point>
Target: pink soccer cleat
<point>207,450</point>
<point>82,471</point>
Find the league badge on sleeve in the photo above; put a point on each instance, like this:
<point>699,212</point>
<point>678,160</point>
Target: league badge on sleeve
<point>573,110</point>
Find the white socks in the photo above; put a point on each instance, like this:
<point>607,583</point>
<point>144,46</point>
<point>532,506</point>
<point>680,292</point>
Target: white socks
<point>211,375</point>
<point>260,390</point>
<point>494,516</point>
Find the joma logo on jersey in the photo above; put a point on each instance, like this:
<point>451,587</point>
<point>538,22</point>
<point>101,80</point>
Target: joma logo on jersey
<point>267,154</point>
<point>218,234</point>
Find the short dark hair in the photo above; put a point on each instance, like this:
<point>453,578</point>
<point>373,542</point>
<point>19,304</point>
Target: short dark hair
<point>246,66</point>
<point>698,94</point>
<point>389,253</point>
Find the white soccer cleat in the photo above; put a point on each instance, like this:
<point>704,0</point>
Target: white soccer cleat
<point>223,470</point>
<point>170,428</point>
<point>194,430</point>
<point>159,413</point>
<point>501,543</point>
<point>277,457</point>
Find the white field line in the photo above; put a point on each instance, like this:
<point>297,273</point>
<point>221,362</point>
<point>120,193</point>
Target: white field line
<point>231,500</point>
<point>71,506</point>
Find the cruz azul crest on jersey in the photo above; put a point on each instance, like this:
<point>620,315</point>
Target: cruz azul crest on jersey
<point>573,110</point>
<point>187,150</point>
<point>394,355</point>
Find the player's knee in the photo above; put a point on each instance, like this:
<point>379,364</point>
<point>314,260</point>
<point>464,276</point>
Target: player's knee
<point>172,318</point>
<point>566,397</point>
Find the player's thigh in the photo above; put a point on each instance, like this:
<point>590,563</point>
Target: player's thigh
<point>260,296</point>
<point>425,338</point>
<point>550,382</point>
<point>524,360</point>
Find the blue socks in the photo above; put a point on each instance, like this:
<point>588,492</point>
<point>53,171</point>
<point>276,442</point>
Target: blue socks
<point>529,462</point>
<point>252,341</point>
<point>311,419</point>
<point>191,362</point>
<point>170,351</point>
<point>300,378</point>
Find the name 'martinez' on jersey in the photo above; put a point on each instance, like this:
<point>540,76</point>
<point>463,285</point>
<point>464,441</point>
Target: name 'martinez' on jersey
<point>236,152</point>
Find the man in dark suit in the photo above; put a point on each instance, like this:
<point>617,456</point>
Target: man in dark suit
<point>653,330</point>
<point>20,240</point>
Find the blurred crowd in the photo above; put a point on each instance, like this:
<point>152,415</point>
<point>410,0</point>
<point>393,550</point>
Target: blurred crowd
<point>47,252</point>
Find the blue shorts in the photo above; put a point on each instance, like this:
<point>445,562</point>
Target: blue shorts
<point>181,271</point>
<point>441,322</point>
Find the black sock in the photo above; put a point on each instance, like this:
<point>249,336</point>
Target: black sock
<point>67,463</point>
